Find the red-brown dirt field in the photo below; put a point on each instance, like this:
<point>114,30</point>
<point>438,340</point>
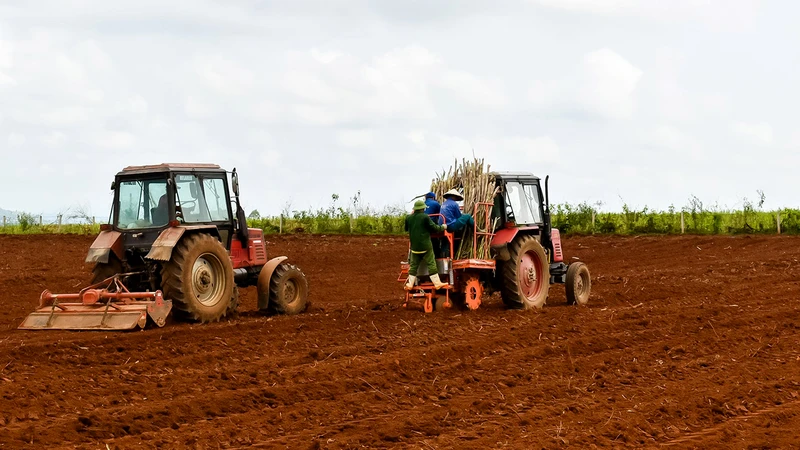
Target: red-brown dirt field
<point>687,342</point>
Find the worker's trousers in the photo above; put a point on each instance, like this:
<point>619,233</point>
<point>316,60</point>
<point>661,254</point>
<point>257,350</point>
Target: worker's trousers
<point>426,258</point>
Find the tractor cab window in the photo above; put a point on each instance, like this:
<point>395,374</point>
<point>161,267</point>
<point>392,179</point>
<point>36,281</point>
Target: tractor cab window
<point>190,203</point>
<point>522,203</point>
<point>216,198</point>
<point>142,204</point>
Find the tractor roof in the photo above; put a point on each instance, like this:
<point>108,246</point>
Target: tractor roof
<point>174,167</point>
<point>515,175</point>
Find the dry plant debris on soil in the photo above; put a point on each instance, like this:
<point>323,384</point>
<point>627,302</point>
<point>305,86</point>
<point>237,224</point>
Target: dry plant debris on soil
<point>687,342</point>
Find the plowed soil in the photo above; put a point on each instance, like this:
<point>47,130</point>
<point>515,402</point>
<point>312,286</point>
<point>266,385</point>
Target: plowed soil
<point>690,342</point>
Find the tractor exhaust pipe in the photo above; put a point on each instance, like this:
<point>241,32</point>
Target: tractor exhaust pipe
<point>547,194</point>
<point>548,226</point>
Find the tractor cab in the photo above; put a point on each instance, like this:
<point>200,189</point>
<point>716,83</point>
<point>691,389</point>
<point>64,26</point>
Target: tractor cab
<point>148,199</point>
<point>519,200</point>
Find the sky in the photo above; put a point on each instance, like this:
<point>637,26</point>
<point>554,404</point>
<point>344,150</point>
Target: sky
<point>643,103</point>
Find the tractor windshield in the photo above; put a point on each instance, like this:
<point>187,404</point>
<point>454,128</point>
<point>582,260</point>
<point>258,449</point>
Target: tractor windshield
<point>524,202</point>
<point>142,204</point>
<point>191,203</point>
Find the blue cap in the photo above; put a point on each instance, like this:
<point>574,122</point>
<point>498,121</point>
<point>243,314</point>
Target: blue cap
<point>430,195</point>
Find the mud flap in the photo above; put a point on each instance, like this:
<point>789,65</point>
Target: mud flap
<point>262,287</point>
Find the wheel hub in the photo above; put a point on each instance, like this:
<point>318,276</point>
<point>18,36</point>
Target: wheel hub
<point>529,274</point>
<point>473,293</point>
<point>204,279</point>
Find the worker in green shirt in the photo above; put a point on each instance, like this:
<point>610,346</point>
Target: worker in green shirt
<point>420,226</point>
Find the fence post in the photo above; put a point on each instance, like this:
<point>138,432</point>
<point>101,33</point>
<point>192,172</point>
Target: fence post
<point>93,221</point>
<point>779,221</point>
<point>683,224</point>
<point>592,221</point>
<point>280,225</point>
<point>59,224</point>
<point>40,220</point>
<point>351,225</point>
<point>4,221</point>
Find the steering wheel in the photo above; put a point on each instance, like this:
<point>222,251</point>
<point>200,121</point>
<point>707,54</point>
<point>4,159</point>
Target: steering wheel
<point>188,203</point>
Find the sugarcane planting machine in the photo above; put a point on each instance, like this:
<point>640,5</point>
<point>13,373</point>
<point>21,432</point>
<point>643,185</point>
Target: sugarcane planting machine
<point>512,248</point>
<point>176,243</point>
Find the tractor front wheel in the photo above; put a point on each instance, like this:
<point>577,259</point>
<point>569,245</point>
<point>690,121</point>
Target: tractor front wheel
<point>288,290</point>
<point>199,279</point>
<point>578,284</point>
<point>526,276</point>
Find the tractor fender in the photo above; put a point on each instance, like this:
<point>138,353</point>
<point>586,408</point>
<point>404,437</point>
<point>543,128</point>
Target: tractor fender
<point>505,236</point>
<point>161,250</point>
<point>106,242</point>
<point>264,278</point>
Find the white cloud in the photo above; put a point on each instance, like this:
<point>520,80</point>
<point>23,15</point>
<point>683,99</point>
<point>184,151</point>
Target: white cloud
<point>356,138</point>
<point>225,76</point>
<point>138,105</point>
<point>473,90</point>
<point>756,133</point>
<point>325,57</point>
<point>591,6</point>
<point>265,111</point>
<point>310,87</point>
<point>603,86</point>
<point>65,116</point>
<point>114,140</point>
<point>69,69</point>
<point>315,115</point>
<point>54,139</point>
<point>609,83</point>
<point>333,87</point>
<point>728,15</point>
<point>16,140</point>
<point>6,80</point>
<point>197,80</point>
<point>6,54</point>
<point>507,153</point>
<point>270,158</point>
<point>196,108</point>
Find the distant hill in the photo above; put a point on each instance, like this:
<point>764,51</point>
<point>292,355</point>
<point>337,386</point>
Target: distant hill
<point>7,213</point>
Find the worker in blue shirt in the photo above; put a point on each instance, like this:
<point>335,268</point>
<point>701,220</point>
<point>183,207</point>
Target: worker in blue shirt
<point>454,218</point>
<point>431,205</point>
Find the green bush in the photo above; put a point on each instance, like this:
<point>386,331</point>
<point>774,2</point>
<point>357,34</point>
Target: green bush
<point>570,219</point>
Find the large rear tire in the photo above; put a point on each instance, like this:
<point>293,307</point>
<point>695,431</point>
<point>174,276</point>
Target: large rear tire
<point>288,290</point>
<point>526,276</point>
<point>199,279</point>
<point>578,284</point>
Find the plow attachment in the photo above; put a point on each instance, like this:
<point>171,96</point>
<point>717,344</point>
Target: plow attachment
<point>107,305</point>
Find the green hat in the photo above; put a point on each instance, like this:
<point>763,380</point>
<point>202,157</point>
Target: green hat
<point>419,205</point>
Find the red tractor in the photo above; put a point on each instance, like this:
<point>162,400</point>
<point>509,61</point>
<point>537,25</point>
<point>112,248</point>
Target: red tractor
<point>525,255</point>
<point>176,242</point>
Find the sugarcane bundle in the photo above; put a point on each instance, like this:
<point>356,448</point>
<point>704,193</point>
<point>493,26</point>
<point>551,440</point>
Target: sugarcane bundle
<point>471,177</point>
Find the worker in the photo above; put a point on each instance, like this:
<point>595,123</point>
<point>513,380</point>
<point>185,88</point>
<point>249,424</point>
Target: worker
<point>160,214</point>
<point>420,226</point>
<point>431,205</point>
<point>433,209</point>
<point>453,217</point>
